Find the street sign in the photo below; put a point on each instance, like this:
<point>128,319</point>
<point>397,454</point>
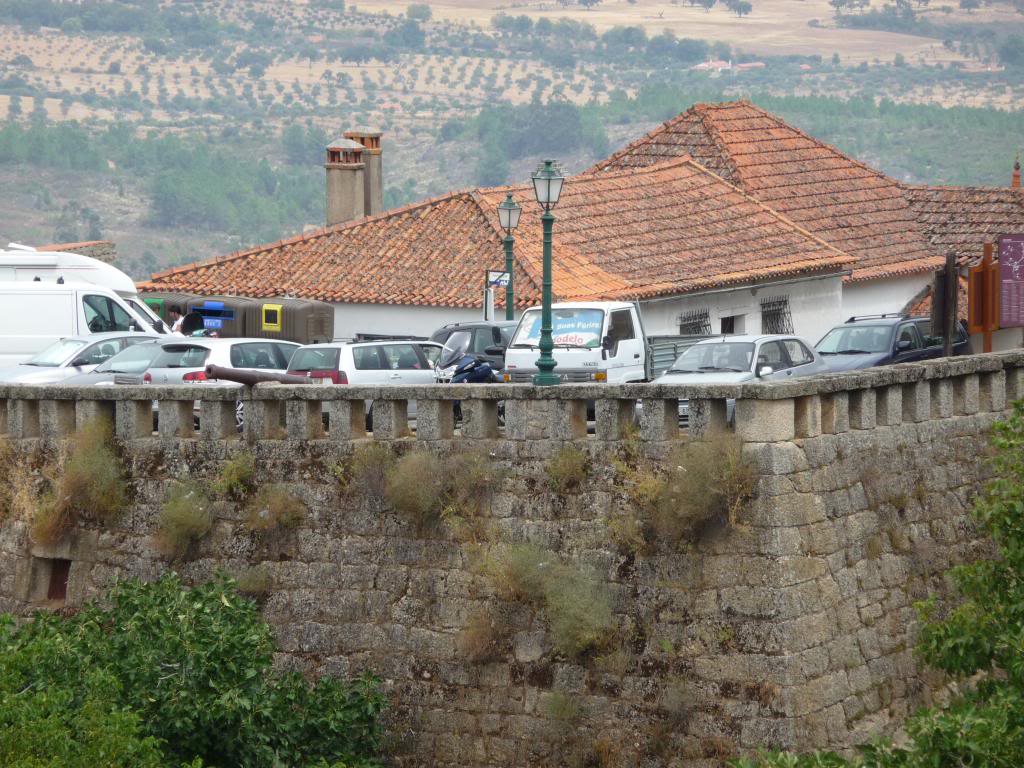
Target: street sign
<point>1011,281</point>
<point>496,278</point>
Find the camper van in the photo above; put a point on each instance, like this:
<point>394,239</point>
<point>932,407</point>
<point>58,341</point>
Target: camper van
<point>24,263</point>
<point>33,315</point>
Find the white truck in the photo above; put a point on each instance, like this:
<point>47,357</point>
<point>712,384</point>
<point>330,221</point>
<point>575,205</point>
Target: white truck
<point>595,341</point>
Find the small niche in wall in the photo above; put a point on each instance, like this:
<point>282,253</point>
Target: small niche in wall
<point>48,584</point>
<point>57,588</point>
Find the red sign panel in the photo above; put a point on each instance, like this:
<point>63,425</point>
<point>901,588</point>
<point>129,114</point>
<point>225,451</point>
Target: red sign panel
<point>1011,281</point>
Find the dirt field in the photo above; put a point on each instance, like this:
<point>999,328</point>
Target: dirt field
<point>775,27</point>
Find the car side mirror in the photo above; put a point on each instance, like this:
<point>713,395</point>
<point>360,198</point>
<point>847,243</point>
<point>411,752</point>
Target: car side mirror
<point>764,370</point>
<point>607,343</point>
<point>494,349</point>
<point>78,362</point>
<point>902,345</point>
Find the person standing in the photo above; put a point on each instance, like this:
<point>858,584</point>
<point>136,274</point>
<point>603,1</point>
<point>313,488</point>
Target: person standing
<point>174,313</point>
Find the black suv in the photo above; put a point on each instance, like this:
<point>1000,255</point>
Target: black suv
<point>493,335</point>
<point>864,342</point>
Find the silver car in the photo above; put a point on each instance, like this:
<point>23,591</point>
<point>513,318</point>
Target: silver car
<point>70,357</point>
<point>742,359</point>
<point>181,360</point>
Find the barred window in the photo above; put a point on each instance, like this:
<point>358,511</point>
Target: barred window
<point>775,315</point>
<point>695,323</point>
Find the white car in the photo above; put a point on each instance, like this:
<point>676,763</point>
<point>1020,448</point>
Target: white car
<point>71,357</point>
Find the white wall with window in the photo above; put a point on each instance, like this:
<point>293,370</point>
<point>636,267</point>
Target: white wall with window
<point>810,305</point>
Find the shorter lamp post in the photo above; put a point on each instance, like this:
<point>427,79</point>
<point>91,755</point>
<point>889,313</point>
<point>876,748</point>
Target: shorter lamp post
<point>547,185</point>
<point>508,216</point>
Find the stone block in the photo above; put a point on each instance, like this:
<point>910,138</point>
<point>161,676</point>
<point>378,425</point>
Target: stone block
<point>435,419</point>
<point>5,405</point>
<point>765,421</point>
<point>835,413</point>
<point>133,419</point>
<point>346,420</point>
<point>390,419</point>
<point>1014,384</point>
<point>659,420</point>
<point>807,412</point>
<point>23,418</point>
<point>175,418</point>
<point>569,419</point>
<point>707,417</point>
<point>890,405</point>
<point>941,398</point>
<point>217,420</point>
<point>56,418</point>
<point>614,418</point>
<point>264,420</point>
<point>917,401</point>
<point>480,419</point>
<point>992,392</point>
<point>863,409</point>
<point>527,419</point>
<point>87,411</point>
<point>966,394</point>
<point>304,419</point>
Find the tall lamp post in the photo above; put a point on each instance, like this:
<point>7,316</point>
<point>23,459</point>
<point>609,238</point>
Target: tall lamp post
<point>508,216</point>
<point>547,185</point>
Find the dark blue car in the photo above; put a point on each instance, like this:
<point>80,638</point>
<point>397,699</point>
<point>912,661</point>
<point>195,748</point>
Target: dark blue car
<point>864,342</point>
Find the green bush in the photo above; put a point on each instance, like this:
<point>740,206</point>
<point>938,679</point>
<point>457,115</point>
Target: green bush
<point>982,635</point>
<point>160,675</point>
<point>414,487</point>
<point>237,478</point>
<point>185,518</point>
<point>567,470</point>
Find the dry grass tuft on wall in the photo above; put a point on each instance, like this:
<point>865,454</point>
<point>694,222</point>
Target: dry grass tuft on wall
<point>274,507</point>
<point>185,518</point>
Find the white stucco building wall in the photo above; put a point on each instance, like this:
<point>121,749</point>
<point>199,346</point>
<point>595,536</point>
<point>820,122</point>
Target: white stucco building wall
<point>876,297</point>
<point>815,307</point>
<point>397,319</point>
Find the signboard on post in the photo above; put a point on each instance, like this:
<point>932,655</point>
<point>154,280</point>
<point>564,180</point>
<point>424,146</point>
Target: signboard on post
<point>497,278</point>
<point>1011,281</point>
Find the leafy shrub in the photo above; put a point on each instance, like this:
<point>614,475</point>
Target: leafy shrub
<point>981,636</point>
<point>236,479</point>
<point>273,507</point>
<point>163,675</point>
<point>577,606</point>
<point>414,486</point>
<point>186,517</point>
<point>369,468</point>
<point>567,470</point>
<point>707,482</point>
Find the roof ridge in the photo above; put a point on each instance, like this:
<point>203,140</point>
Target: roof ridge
<point>716,135</point>
<point>600,165</point>
<point>317,233</point>
<point>966,187</point>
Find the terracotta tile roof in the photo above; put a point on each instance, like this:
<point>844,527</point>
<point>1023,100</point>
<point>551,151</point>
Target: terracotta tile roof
<point>961,219</point>
<point>669,229</point>
<point>921,304</point>
<point>849,205</point>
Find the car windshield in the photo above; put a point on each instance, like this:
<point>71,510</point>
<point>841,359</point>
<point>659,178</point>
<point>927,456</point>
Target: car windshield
<point>569,328</point>
<point>181,356</point>
<point>734,356</point>
<point>135,359</point>
<point>855,340</point>
<point>57,353</point>
<point>314,359</point>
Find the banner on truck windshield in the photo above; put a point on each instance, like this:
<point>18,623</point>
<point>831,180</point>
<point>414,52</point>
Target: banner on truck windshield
<point>573,328</point>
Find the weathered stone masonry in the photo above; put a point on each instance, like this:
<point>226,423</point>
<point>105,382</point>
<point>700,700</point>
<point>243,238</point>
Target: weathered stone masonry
<point>792,629</point>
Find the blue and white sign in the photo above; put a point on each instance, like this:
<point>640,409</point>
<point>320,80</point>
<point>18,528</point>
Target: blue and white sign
<point>496,279</point>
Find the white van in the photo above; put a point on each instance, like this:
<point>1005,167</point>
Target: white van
<point>25,263</point>
<point>33,315</point>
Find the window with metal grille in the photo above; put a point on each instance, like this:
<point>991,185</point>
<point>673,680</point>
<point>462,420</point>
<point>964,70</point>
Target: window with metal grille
<point>696,323</point>
<point>775,315</point>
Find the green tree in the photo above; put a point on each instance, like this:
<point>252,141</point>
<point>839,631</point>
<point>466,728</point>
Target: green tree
<point>160,674</point>
<point>418,12</point>
<point>981,635</point>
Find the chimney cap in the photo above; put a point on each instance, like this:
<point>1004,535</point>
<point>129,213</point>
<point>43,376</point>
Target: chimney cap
<point>346,144</point>
<point>364,131</point>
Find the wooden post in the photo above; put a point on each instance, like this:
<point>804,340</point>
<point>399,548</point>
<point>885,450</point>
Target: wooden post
<point>989,303</point>
<point>949,308</point>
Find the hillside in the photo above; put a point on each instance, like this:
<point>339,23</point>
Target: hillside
<point>183,130</point>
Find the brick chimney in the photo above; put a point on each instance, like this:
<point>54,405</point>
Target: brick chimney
<point>346,172</point>
<point>1015,179</point>
<point>370,139</point>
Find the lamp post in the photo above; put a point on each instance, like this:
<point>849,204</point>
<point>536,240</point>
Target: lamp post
<point>547,185</point>
<point>508,216</point>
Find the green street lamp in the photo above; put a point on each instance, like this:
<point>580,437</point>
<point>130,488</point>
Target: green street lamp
<point>547,185</point>
<point>508,216</point>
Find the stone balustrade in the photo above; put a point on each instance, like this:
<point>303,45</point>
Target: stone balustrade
<point>763,412</point>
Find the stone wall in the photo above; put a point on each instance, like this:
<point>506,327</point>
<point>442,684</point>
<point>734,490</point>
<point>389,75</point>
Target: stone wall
<point>792,628</point>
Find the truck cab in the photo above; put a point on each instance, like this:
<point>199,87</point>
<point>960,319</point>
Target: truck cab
<point>594,342</point>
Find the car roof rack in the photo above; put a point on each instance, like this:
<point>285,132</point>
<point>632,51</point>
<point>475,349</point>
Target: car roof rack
<point>884,315</point>
<point>361,337</point>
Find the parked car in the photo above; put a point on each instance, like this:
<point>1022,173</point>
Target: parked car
<point>70,357</point>
<point>369,363</point>
<point>183,360</point>
<point>864,342</point>
<point>488,338</point>
<point>740,359</point>
<point>131,362</point>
